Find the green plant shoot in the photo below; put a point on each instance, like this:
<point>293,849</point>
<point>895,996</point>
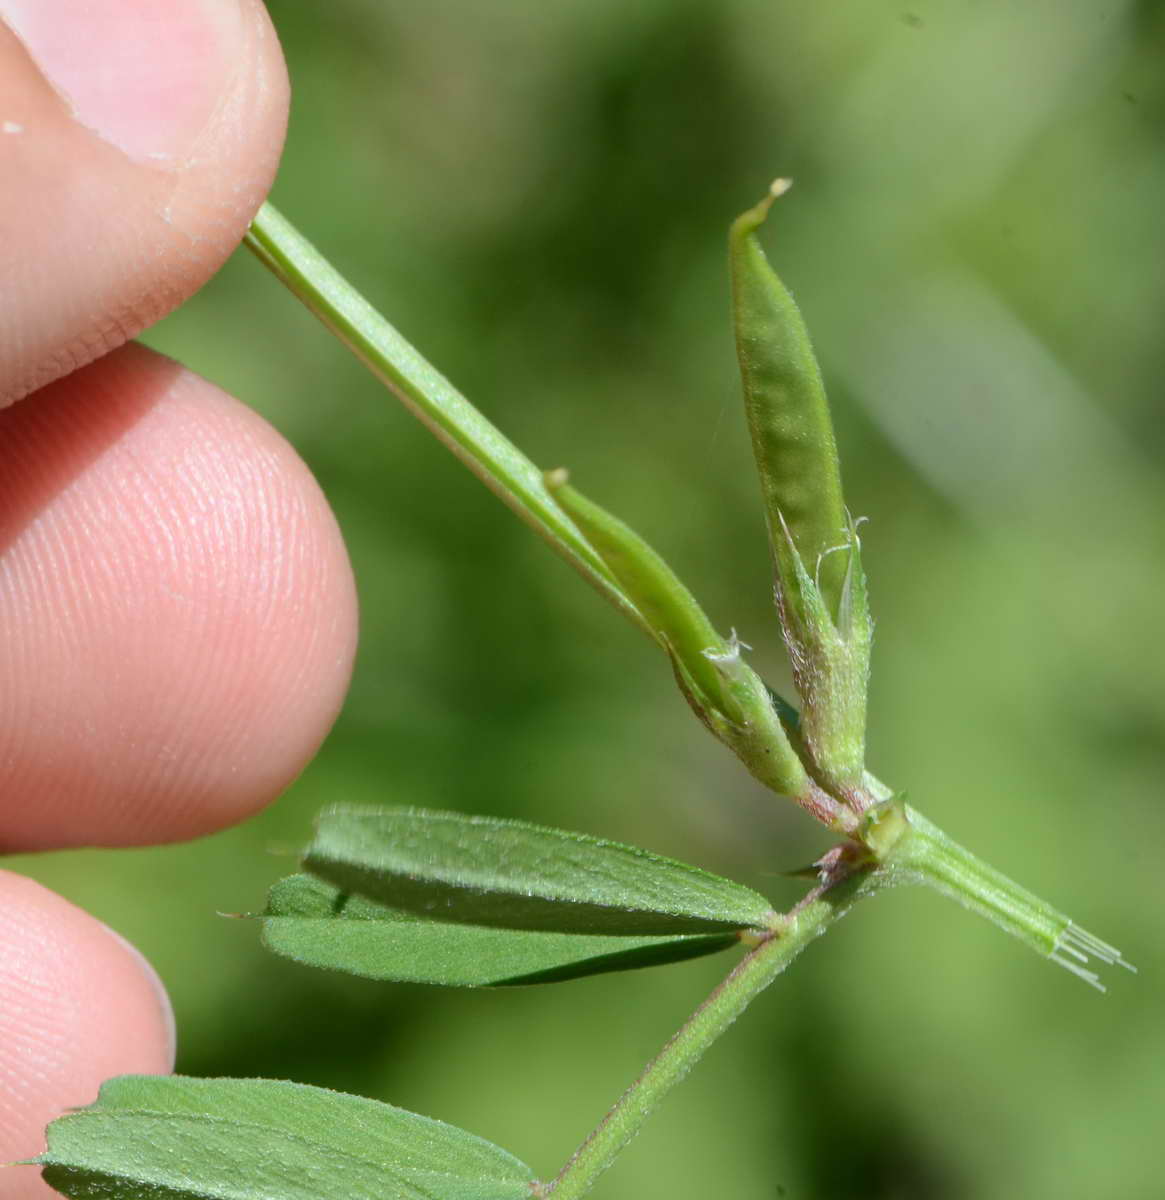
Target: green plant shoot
<point>431,897</point>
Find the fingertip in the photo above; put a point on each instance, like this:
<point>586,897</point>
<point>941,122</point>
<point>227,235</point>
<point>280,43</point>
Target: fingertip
<point>179,610</point>
<point>147,76</point>
<point>78,1005</point>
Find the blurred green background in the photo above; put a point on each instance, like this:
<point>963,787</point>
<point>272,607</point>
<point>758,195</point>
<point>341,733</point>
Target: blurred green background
<point>538,196</point>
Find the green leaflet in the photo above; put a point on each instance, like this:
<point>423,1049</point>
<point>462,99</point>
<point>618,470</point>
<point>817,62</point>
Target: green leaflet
<point>154,1137</point>
<point>318,925</point>
<point>514,875</point>
<point>441,898</point>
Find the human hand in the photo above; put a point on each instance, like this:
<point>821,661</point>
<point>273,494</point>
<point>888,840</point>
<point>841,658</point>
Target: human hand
<point>177,617</point>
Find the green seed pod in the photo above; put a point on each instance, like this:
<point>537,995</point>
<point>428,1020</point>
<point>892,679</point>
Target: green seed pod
<point>821,589</point>
<point>788,414</point>
<point>676,619</point>
<point>727,695</point>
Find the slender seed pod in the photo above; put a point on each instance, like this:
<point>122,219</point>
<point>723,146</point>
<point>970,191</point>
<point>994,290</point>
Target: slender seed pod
<point>672,612</point>
<point>821,587</point>
<point>727,695</point>
<point>788,414</point>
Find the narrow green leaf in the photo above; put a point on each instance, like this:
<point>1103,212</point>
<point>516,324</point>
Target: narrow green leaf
<point>149,1137</point>
<point>487,871</point>
<point>315,923</point>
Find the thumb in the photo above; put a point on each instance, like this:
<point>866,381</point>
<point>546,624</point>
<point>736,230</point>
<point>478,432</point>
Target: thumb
<point>137,138</point>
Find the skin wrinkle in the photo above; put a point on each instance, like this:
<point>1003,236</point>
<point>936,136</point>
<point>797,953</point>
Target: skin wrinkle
<point>234,510</point>
<point>96,430</point>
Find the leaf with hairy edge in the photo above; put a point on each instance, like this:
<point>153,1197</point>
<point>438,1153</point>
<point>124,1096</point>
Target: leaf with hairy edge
<point>510,874</point>
<point>153,1137</point>
<point>316,924</point>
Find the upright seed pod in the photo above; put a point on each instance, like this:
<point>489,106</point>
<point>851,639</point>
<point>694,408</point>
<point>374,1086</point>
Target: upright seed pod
<point>821,593</point>
<point>788,414</point>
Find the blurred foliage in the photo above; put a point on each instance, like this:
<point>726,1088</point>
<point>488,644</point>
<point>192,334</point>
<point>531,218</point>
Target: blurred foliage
<point>538,195</point>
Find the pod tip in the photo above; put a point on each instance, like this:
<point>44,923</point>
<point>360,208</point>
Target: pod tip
<point>556,478</point>
<point>748,222</point>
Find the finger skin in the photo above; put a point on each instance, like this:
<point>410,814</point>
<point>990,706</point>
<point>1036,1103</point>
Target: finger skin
<point>96,245</point>
<point>77,1006</point>
<point>178,609</point>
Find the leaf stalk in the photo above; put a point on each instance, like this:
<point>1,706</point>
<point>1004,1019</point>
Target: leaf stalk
<point>771,955</point>
<point>488,453</point>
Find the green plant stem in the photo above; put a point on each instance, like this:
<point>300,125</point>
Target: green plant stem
<point>492,457</point>
<point>953,870</point>
<point>924,854</point>
<point>820,909</point>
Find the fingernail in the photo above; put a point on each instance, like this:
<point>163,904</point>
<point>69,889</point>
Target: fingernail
<point>165,1007</point>
<point>146,75</point>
